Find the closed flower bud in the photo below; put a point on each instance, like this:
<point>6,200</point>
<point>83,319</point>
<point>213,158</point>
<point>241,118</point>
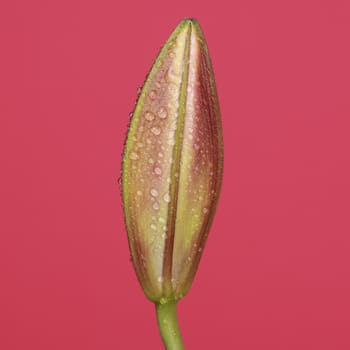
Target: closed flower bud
<point>172,166</point>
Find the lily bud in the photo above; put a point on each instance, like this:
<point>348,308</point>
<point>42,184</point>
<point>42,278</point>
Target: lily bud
<point>172,165</point>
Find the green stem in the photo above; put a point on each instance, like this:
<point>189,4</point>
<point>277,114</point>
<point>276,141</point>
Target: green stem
<point>168,325</point>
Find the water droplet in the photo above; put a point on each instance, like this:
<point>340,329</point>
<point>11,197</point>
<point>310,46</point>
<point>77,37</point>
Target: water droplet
<point>160,278</point>
<point>157,170</point>
<point>196,146</point>
<point>156,130</point>
<point>153,227</point>
<point>162,301</point>
<point>167,198</point>
<point>155,206</point>
<point>171,54</point>
<point>133,156</point>
<point>151,160</point>
<point>139,193</point>
<point>205,210</point>
<point>160,154</point>
<point>161,219</point>
<point>154,192</point>
<point>162,113</point>
<point>152,95</point>
<point>149,116</point>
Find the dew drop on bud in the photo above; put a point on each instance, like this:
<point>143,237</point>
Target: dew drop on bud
<point>154,192</point>
<point>157,170</point>
<point>149,116</point>
<point>155,130</point>
<point>133,156</point>
<point>155,206</point>
<point>166,197</point>
<point>152,95</point>
<point>162,113</point>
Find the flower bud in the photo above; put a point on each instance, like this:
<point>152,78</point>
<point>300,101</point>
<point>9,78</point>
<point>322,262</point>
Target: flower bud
<point>172,165</point>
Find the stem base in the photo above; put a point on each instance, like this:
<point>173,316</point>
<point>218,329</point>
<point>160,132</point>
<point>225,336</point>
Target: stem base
<point>168,325</point>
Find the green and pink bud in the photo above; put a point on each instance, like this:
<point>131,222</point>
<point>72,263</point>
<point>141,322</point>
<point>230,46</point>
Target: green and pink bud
<point>172,166</point>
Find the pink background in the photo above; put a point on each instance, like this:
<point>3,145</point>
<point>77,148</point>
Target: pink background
<point>276,271</point>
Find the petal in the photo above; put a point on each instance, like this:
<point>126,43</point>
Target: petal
<point>148,162</point>
<point>201,165</point>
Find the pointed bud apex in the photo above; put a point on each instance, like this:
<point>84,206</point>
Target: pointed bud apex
<point>172,165</point>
